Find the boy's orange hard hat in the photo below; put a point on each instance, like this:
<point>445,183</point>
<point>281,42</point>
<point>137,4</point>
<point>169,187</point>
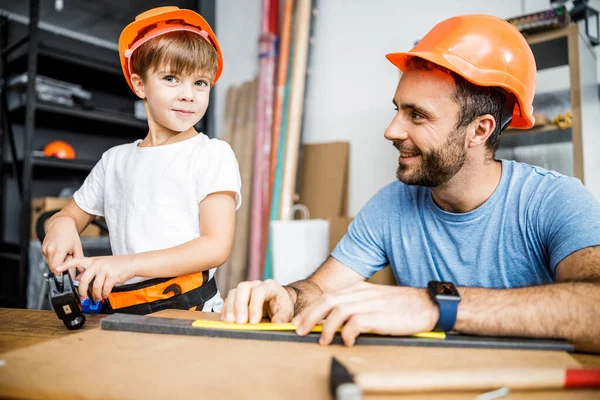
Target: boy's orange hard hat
<point>485,50</point>
<point>160,20</point>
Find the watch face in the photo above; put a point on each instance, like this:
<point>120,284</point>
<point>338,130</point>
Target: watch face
<point>443,290</point>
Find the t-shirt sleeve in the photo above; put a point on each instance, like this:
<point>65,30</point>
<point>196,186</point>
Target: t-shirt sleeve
<point>90,196</point>
<point>220,173</point>
<point>569,217</point>
<point>362,248</point>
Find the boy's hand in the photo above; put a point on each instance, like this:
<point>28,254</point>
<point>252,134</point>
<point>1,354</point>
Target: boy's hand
<point>251,301</point>
<point>106,272</point>
<point>62,240</point>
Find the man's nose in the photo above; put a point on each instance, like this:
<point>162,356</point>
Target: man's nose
<point>397,130</point>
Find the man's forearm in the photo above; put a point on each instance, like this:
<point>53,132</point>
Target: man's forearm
<point>194,256</point>
<point>569,310</point>
<point>303,294</point>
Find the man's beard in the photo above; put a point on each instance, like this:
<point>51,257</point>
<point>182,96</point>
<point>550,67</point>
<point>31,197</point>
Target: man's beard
<point>438,166</point>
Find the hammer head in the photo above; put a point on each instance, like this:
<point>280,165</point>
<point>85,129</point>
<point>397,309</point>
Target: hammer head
<point>341,382</point>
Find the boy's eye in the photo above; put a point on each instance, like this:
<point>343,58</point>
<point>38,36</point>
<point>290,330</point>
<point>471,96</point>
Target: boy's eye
<point>170,78</point>
<point>201,83</point>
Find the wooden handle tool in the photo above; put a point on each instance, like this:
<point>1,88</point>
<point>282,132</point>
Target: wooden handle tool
<point>458,379</point>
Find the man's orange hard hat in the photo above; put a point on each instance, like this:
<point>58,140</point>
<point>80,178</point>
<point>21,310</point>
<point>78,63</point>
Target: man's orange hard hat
<point>486,51</point>
<point>158,21</point>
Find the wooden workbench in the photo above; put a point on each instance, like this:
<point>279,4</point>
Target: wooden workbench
<point>42,359</point>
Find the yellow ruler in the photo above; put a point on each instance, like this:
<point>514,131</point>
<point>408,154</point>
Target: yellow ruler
<point>271,326</point>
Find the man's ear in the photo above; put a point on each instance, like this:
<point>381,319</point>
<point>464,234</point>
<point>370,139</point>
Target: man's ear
<point>138,86</point>
<point>481,129</point>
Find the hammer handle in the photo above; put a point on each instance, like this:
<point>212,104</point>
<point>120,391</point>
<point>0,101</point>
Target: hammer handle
<point>476,379</point>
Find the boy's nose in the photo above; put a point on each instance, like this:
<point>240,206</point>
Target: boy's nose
<point>186,93</point>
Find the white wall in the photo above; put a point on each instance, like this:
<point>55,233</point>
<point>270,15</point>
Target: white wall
<point>350,90</point>
<point>238,30</point>
<point>350,93</point>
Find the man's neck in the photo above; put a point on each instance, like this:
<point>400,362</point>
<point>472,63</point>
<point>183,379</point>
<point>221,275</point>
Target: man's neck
<point>472,186</point>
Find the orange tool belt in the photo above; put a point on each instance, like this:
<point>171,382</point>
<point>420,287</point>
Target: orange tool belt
<point>189,292</point>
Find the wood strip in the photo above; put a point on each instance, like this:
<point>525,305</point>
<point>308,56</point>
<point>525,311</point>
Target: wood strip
<point>296,105</point>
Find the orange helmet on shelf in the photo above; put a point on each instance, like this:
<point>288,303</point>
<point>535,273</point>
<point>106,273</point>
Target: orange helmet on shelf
<point>59,149</point>
<point>486,51</point>
<point>158,21</point>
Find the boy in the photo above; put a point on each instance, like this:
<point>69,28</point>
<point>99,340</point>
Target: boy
<point>169,200</point>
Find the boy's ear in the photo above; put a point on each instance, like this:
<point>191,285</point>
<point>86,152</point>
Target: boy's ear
<point>138,86</point>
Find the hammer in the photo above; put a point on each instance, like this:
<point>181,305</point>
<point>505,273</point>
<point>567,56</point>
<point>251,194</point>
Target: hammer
<point>345,386</point>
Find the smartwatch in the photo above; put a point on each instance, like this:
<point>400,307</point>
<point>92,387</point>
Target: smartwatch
<point>447,298</point>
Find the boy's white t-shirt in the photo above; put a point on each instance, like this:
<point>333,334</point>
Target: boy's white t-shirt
<point>150,196</point>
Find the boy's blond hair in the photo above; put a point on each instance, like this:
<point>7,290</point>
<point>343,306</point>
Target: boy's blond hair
<point>181,51</point>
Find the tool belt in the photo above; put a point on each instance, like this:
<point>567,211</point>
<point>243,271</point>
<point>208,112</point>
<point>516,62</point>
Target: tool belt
<point>189,292</point>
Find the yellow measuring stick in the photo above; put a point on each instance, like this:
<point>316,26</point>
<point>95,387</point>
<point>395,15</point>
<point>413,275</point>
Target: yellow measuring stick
<point>288,326</point>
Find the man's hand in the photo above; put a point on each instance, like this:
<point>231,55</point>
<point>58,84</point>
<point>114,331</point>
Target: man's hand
<point>106,272</point>
<point>366,307</point>
<point>62,240</point>
<point>251,301</point>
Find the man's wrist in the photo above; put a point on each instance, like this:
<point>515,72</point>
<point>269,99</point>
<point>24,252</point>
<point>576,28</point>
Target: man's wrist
<point>293,293</point>
<point>434,311</point>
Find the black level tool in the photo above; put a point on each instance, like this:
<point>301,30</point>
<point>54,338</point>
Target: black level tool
<point>65,300</point>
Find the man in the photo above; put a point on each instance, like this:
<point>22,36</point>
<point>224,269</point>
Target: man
<point>477,245</point>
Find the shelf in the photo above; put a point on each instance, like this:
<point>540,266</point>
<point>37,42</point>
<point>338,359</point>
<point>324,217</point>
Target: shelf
<point>52,162</point>
<point>10,256</point>
<point>551,48</point>
<point>543,135</point>
<point>51,52</point>
<point>59,163</point>
<point>110,117</point>
<point>69,50</point>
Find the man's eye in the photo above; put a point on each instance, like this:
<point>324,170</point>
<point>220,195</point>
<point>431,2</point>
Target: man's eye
<point>416,115</point>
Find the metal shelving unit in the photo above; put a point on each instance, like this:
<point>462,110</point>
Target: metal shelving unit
<point>49,53</point>
<point>569,46</point>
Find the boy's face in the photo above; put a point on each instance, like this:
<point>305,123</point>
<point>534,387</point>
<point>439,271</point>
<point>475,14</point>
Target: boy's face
<point>174,101</point>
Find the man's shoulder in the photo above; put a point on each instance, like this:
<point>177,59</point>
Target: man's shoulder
<point>537,179</point>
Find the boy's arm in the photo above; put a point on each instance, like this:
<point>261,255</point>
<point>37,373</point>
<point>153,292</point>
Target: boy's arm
<point>210,250</point>
<point>62,234</point>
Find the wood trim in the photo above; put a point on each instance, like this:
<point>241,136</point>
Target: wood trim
<point>575,86</point>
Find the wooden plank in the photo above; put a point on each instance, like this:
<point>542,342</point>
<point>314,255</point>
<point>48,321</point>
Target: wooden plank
<point>301,36</point>
<point>23,328</point>
<point>244,150</point>
<point>575,84</point>
<point>107,364</point>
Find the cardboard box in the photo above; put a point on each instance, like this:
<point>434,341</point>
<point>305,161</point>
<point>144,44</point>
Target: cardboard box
<point>43,204</point>
<point>324,179</point>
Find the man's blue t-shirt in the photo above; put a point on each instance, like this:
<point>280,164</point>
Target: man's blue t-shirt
<point>533,220</point>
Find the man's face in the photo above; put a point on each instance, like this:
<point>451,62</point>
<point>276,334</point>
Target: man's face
<point>424,129</point>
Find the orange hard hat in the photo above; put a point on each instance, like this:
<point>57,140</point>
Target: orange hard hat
<point>59,149</point>
<point>158,21</point>
<point>486,51</point>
